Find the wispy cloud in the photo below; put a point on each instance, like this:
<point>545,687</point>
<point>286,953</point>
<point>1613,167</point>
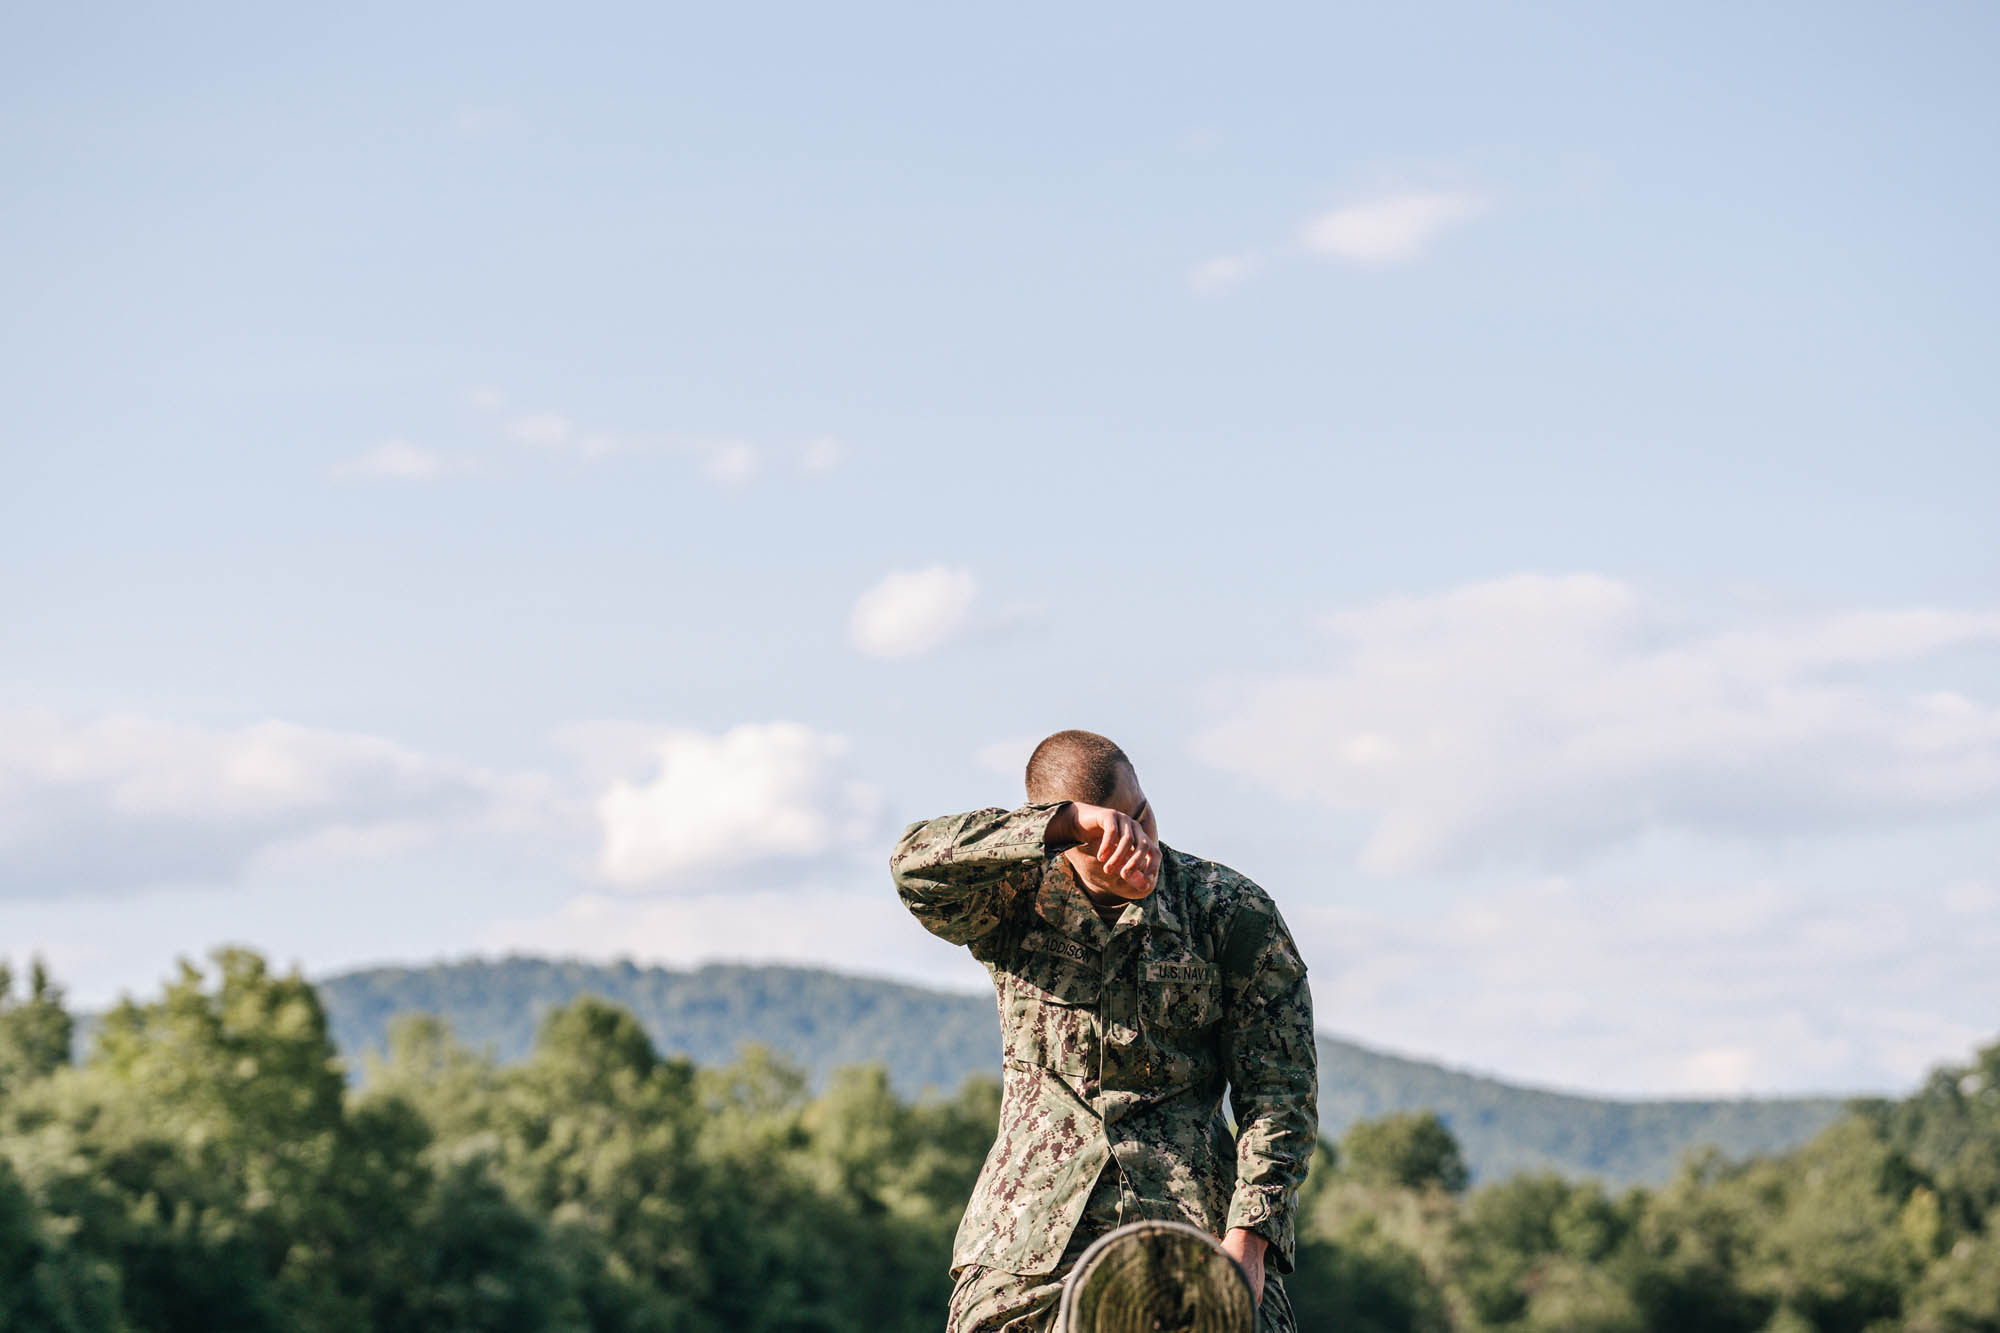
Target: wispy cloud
<point>730,462</point>
<point>820,456</point>
<point>126,801</point>
<point>551,430</point>
<point>1386,230</point>
<point>910,613</point>
<point>1771,983</point>
<point>1394,229</point>
<point>1215,276</point>
<point>394,460</point>
<point>1544,720</point>
<point>545,428</point>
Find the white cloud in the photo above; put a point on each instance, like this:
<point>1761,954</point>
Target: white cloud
<point>1652,988</point>
<point>1542,720</point>
<point>1389,230</point>
<point>1215,276</point>
<point>607,751</point>
<point>125,802</point>
<point>721,460</point>
<point>551,430</point>
<point>485,398</point>
<point>821,456</point>
<point>394,460</point>
<point>912,612</point>
<point>774,792</point>
<point>544,428</point>
<point>730,463</point>
<point>1971,897</point>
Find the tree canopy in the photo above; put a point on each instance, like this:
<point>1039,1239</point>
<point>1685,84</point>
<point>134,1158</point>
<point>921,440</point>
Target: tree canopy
<point>211,1165</point>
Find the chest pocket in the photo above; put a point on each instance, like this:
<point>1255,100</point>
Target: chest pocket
<point>1182,994</point>
<point>1052,995</point>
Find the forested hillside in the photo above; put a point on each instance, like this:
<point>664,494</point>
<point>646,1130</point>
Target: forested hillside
<point>209,1167</point>
<point>933,1039</point>
<point>821,1020</point>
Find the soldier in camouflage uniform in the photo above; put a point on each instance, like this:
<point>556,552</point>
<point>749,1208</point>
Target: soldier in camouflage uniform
<point>1134,981</point>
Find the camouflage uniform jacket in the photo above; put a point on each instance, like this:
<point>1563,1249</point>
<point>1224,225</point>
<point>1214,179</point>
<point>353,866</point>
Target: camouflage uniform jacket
<point>1117,1040</point>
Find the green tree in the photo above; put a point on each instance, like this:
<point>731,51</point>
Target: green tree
<point>591,1139</point>
<point>1363,1280</point>
<point>1372,1257</point>
<point>478,1263</point>
<point>242,1162</point>
<point>1542,1252</point>
<point>47,1287</point>
<point>1410,1149</point>
<point>1691,1241</point>
<point>206,1154</point>
<point>1566,1295</point>
<point>35,1032</point>
<point>1831,1246</point>
<point>1950,1130</point>
<point>208,1168</point>
<point>1961,1291</point>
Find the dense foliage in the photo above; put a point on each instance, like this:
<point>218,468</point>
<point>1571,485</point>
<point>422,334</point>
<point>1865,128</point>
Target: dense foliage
<point>931,1040</point>
<point>1888,1220</point>
<point>209,1166</point>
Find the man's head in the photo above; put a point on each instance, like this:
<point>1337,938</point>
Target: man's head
<point>1087,768</point>
<point>1076,766</point>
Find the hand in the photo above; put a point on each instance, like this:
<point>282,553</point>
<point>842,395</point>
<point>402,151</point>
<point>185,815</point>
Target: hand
<point>1117,841</point>
<point>1246,1247</point>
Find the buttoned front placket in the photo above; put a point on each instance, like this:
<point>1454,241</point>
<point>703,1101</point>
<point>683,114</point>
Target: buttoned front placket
<point>1125,1068</point>
<point>1123,1046</point>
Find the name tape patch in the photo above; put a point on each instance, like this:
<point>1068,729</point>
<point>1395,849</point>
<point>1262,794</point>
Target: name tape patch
<point>1043,942</point>
<point>1200,973</point>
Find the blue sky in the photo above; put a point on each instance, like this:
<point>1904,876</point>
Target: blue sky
<point>1520,481</point>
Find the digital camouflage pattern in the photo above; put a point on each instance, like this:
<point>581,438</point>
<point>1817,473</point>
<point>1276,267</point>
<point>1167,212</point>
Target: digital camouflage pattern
<point>1118,1040</point>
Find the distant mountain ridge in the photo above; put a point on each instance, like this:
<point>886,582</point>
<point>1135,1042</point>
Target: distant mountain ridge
<point>935,1039</point>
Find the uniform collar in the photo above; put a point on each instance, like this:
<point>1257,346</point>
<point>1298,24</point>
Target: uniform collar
<point>1157,907</point>
<point>1061,902</point>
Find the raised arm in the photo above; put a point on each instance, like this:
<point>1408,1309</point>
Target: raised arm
<point>958,874</point>
<point>1273,1069</point>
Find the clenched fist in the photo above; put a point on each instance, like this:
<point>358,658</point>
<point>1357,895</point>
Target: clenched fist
<point>1114,844</point>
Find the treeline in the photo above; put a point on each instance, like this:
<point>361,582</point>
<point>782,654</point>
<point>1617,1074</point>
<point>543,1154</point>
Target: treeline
<point>1887,1222</point>
<point>820,1020</point>
<point>932,1039</point>
<point>208,1167</point>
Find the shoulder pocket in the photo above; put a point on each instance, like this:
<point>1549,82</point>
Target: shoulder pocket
<point>1052,991</point>
<point>1183,993</point>
<point>1059,968</point>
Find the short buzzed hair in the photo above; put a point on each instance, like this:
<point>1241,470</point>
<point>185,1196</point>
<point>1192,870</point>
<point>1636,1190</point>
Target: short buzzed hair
<point>1075,766</point>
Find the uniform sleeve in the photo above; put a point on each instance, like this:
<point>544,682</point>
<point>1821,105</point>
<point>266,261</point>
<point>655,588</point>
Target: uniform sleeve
<point>959,874</point>
<point>1273,1067</point>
